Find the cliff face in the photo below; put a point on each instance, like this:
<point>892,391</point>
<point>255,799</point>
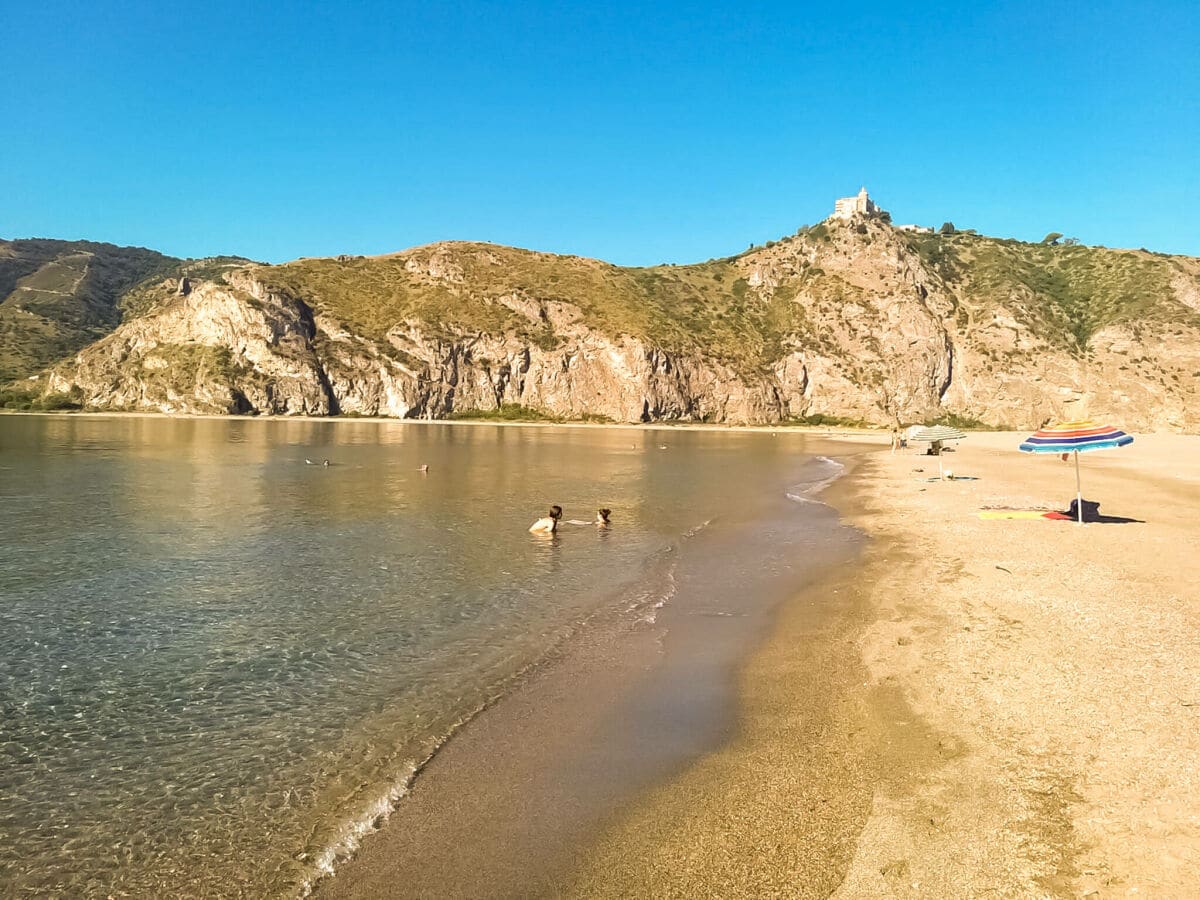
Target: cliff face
<point>213,350</point>
<point>243,348</point>
<point>851,320</point>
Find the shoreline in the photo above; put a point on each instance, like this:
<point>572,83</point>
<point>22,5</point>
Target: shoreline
<point>626,707</point>
<point>777,809</point>
<point>839,432</point>
<point>969,706</point>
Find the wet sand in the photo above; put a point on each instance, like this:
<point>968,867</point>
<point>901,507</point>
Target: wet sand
<point>777,811</point>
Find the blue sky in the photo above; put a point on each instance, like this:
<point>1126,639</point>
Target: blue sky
<point>667,132</point>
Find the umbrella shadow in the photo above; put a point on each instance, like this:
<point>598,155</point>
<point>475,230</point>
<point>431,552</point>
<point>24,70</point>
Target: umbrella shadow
<point>1092,514</point>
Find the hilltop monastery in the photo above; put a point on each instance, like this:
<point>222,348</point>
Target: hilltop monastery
<point>861,204</point>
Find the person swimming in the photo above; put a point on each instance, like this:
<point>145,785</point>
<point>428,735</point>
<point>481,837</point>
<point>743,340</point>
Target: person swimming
<point>602,518</point>
<point>548,525</point>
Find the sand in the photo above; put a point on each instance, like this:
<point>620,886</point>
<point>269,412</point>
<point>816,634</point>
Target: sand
<point>1015,705</point>
<point>1057,664</point>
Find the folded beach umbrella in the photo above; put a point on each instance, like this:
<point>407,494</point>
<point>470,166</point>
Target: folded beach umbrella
<point>937,434</point>
<point>1076,437</point>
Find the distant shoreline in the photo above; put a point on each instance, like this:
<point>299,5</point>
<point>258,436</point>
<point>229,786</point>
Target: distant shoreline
<point>838,431</point>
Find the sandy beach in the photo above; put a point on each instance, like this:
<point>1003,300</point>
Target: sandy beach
<point>1016,707</point>
<point>969,707</point>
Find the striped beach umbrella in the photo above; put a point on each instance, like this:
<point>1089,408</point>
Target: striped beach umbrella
<point>937,435</point>
<point>1076,437</point>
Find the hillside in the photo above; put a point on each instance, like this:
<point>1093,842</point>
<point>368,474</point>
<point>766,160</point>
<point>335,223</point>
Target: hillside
<point>56,297</point>
<point>844,320</point>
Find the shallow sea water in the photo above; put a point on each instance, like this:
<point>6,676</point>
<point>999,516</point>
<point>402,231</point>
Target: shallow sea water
<point>222,662</point>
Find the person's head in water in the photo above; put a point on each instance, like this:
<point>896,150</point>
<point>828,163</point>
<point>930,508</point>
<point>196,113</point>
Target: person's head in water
<point>548,525</point>
<point>602,516</point>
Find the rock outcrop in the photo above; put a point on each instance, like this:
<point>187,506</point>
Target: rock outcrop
<point>849,320</point>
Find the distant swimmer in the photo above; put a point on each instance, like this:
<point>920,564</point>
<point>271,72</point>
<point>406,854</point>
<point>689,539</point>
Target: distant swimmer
<point>326,463</point>
<point>548,525</point>
<point>602,518</point>
<point>424,468</point>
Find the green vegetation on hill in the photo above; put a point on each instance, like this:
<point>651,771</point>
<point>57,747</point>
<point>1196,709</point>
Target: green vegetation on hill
<point>514,412</point>
<point>961,422</point>
<point>27,401</point>
<point>1065,293</point>
<point>822,420</point>
<point>680,308</point>
<point>56,297</point>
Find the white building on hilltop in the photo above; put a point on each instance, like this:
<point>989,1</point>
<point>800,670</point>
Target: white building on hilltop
<point>861,204</point>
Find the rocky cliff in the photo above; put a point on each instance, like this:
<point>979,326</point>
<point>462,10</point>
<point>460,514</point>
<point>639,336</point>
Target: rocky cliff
<point>846,320</point>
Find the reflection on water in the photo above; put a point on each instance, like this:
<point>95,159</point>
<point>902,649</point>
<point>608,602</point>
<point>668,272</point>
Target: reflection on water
<point>217,656</point>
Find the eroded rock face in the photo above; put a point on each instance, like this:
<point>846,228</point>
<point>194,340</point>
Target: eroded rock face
<point>886,338</point>
<point>227,349</point>
<point>215,350</point>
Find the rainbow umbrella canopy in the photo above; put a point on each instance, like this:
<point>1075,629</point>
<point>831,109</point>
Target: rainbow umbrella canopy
<point>1076,437</point>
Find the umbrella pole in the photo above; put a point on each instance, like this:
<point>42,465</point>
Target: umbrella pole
<point>1078,490</point>
<point>941,477</point>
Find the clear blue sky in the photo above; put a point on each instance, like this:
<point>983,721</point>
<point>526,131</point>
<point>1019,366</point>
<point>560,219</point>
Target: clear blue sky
<point>639,134</point>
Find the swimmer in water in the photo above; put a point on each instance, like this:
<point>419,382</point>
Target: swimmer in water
<point>602,518</point>
<point>548,525</point>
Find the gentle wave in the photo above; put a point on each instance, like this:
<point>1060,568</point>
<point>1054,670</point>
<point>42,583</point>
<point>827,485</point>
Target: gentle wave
<point>830,470</point>
<point>376,814</point>
<point>354,831</point>
<point>645,603</point>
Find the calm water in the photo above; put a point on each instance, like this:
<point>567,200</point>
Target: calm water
<point>220,662</point>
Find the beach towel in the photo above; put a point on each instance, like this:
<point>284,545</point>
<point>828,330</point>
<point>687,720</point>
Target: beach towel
<point>1022,514</point>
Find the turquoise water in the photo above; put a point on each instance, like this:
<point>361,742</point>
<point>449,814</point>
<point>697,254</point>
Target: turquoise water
<point>221,663</point>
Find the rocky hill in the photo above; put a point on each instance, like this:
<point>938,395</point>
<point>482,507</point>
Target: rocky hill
<point>847,320</point>
<point>56,297</point>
